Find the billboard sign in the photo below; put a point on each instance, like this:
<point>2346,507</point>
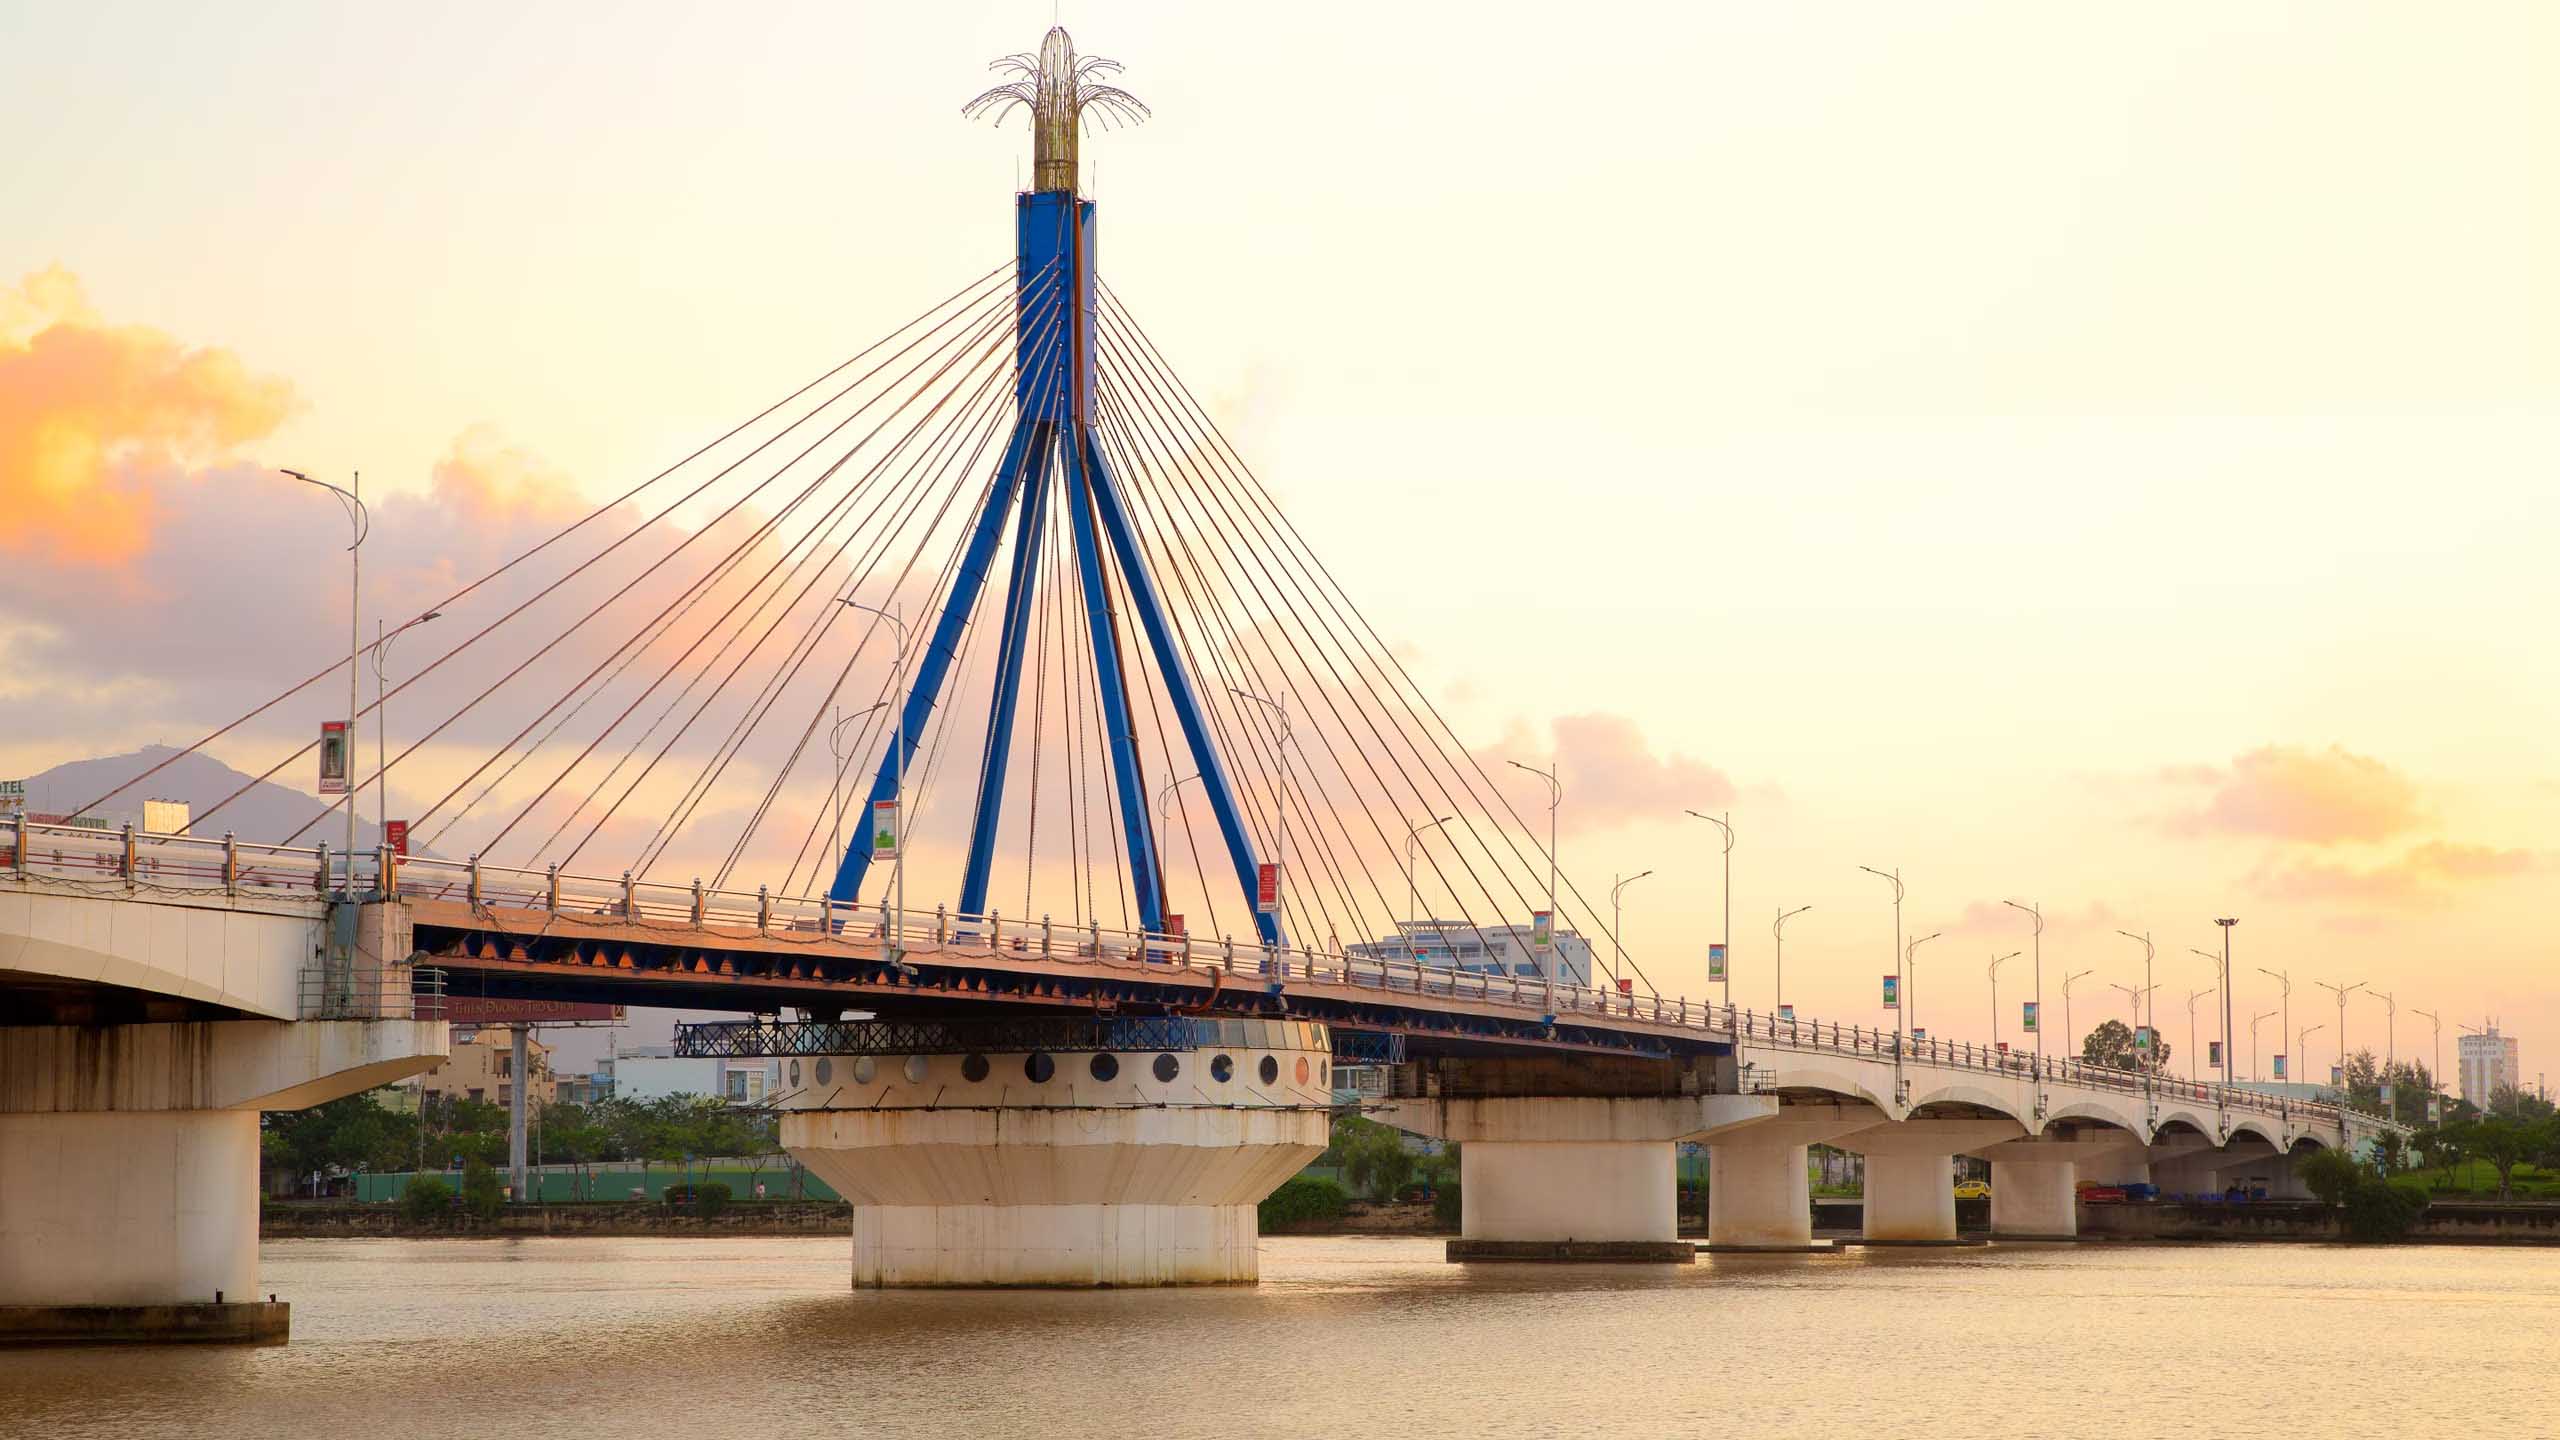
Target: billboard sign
<point>336,754</point>
<point>1715,962</point>
<point>482,1010</point>
<point>1172,926</point>
<point>1787,1013</point>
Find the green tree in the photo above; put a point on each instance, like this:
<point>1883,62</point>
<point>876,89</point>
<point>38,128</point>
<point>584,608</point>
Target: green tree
<point>2391,1152</point>
<point>1301,1199</point>
<point>2444,1148</point>
<point>2505,1143</point>
<point>2111,1045</point>
<point>426,1198</point>
<point>2329,1175</point>
<point>482,1195</point>
<point>1373,1157</point>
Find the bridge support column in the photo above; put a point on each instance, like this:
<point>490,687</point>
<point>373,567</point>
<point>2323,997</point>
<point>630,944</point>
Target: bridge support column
<point>129,1167</point>
<point>1759,1196</point>
<point>1116,1153</point>
<point>1910,1194</point>
<point>1573,1177</point>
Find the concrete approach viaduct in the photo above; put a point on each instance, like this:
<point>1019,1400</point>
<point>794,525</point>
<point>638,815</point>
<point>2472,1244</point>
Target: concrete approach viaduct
<point>1007,1101</point>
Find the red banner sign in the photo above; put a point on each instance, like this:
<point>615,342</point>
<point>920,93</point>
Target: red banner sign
<point>1266,890</point>
<point>395,833</point>
<point>482,1010</point>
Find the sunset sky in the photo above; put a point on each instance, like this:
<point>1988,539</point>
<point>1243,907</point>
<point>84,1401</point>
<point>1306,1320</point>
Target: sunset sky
<point>2103,455</point>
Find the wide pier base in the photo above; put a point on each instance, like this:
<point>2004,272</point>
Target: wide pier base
<point>1575,1252</point>
<point>1079,1165</point>
<point>2034,1200</point>
<point>1056,1246</point>
<point>129,1167</point>
<point>258,1322</point>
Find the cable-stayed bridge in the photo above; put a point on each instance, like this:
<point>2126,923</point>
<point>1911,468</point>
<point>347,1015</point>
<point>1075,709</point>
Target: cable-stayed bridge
<point>976,719</point>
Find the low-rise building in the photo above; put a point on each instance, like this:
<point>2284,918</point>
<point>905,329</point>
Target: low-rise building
<point>1481,949</point>
<point>653,1072</point>
<point>482,1067</point>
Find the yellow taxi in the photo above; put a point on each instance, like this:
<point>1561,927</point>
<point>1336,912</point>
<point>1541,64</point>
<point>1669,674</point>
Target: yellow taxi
<point>1973,1190</point>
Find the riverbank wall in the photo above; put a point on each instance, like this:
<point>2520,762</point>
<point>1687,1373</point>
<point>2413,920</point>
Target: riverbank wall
<point>2446,1222</point>
<point>341,1219</point>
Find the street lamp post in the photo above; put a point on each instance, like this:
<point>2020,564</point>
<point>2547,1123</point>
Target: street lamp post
<point>1412,882</point>
<point>835,748</point>
<point>2302,1042</point>
<point>1996,962</point>
<point>1555,801</point>
<point>1778,931</point>
<point>2257,1072</point>
<point>898,777</point>
<point>1894,877</point>
<point>1617,945</point>
<point>2342,992</point>
<point>2390,1042</point>
<point>382,719</point>
<point>1280,708</point>
<point>2068,1029</point>
<point>360,523</point>
<point>2435,1059</point>
<point>2192,997</point>
<point>2284,1027</point>
<point>1726,825</point>
<point>1911,976</point>
<point>2035,912</point>
<point>2226,922</point>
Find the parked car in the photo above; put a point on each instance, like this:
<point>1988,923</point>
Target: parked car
<point>1973,1189</point>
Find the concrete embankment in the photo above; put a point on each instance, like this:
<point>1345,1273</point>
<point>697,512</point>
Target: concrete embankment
<point>2446,1222</point>
<point>315,1220</point>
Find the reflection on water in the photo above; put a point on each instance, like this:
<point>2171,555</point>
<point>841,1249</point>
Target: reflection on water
<point>717,1338</point>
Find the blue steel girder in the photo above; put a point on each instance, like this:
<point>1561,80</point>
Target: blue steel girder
<point>1118,720</point>
<point>1008,678</point>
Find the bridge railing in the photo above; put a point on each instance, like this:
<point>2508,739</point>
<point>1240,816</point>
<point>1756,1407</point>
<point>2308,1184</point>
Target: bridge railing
<point>134,861</point>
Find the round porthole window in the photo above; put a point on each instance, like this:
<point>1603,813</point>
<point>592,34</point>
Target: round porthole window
<point>795,1072</point>
<point>1167,1067</point>
<point>863,1070</point>
<point>1222,1069</point>
<point>974,1069</point>
<point>1302,1069</point>
<point>1038,1068</point>
<point>915,1069</point>
<point>1105,1067</point>
<point>1270,1070</point>
<point>826,1070</point>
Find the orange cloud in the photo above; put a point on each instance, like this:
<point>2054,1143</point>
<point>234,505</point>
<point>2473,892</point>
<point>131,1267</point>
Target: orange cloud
<point>86,408</point>
<point>1611,773</point>
<point>2424,874</point>
<point>483,479</point>
<point>2311,797</point>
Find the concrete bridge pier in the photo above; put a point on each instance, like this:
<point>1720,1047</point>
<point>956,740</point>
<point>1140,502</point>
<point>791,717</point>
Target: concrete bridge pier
<point>1064,1154</point>
<point>2035,1182</point>
<point>1759,1196</point>
<point>129,1166</point>
<point>1564,1175</point>
<point>1910,1192</point>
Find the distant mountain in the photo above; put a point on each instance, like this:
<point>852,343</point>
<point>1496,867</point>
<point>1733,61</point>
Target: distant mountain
<point>266,813</point>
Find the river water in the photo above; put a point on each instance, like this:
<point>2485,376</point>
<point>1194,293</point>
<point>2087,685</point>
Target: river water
<point>1348,1337</point>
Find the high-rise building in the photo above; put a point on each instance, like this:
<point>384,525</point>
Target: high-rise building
<point>2488,1062</point>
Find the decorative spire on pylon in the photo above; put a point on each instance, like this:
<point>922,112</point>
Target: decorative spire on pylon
<point>1058,89</point>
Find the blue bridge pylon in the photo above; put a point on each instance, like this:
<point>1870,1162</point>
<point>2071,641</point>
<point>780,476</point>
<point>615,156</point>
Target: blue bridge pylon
<point>1055,458</point>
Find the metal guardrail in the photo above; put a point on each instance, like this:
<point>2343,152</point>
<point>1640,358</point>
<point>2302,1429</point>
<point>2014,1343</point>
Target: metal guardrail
<point>187,864</point>
<point>740,1039</point>
<point>395,992</point>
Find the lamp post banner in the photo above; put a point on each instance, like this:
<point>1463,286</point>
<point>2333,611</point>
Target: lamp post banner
<point>1542,931</point>
<point>2028,1016</point>
<point>1715,962</point>
<point>2279,1067</point>
<point>884,829</point>
<point>1893,992</point>
<point>1266,889</point>
<point>2212,1054</point>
